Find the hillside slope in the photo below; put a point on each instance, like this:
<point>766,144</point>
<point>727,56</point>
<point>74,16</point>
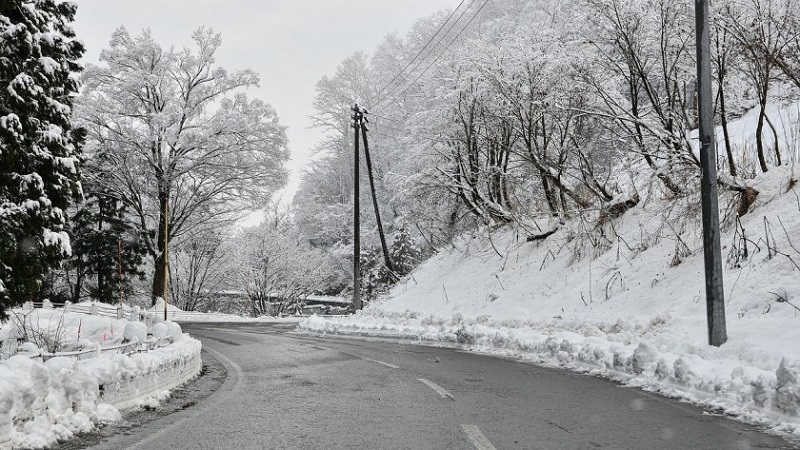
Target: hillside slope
<point>630,307</point>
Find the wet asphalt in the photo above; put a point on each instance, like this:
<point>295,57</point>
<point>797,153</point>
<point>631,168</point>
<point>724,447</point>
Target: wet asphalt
<point>264,387</point>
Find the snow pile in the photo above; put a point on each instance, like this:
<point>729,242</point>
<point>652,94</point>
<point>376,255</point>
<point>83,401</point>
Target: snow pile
<point>178,315</point>
<point>45,402</point>
<point>633,311</point>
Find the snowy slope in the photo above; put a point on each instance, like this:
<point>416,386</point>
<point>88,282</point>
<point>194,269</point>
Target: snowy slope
<point>632,308</point>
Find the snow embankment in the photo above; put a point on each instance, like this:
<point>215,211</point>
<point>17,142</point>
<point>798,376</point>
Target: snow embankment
<point>631,309</point>
<point>43,402</point>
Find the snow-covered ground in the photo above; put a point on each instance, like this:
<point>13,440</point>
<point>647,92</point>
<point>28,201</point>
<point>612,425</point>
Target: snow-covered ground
<point>632,308</point>
<point>48,399</point>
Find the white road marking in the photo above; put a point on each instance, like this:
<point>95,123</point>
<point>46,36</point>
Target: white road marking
<point>477,438</point>
<point>439,390</point>
<point>391,366</point>
<point>234,378</point>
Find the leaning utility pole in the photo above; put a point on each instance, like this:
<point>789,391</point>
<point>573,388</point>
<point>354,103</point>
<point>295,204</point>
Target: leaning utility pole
<point>715,298</point>
<point>357,118</point>
<point>386,259</point>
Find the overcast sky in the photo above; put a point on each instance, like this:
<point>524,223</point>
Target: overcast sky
<point>290,43</point>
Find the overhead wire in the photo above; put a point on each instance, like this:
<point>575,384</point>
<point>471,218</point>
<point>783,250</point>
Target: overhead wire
<point>427,54</point>
<point>436,59</point>
<point>384,117</point>
<point>441,27</point>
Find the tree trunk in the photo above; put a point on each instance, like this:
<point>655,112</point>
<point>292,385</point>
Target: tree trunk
<point>549,195</point>
<point>774,141</point>
<point>160,262</point>
<point>101,285</point>
<point>759,134</point>
<point>724,122</point>
<point>762,115</point>
<point>79,275</point>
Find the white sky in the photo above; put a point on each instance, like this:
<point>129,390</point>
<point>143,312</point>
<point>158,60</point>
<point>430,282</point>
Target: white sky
<point>290,43</point>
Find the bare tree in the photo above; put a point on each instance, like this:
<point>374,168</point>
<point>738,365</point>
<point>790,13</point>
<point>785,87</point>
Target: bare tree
<point>199,269</point>
<point>757,30</point>
<point>724,58</point>
<point>648,46</point>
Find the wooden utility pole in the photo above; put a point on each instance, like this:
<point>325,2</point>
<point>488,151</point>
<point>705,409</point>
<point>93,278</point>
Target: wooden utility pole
<point>357,117</point>
<point>715,298</point>
<point>119,270</point>
<point>166,256</point>
<point>386,259</point>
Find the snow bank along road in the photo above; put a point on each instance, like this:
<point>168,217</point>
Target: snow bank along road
<point>287,391</point>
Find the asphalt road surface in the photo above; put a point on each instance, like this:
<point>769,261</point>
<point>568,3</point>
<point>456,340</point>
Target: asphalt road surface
<point>286,391</point>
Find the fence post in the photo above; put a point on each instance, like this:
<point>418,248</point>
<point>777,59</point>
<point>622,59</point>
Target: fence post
<point>67,306</point>
<point>120,312</point>
<point>93,310</point>
<point>47,304</point>
<point>134,317</point>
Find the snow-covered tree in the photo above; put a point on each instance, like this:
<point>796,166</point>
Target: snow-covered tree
<point>171,130</point>
<point>405,252</point>
<point>325,197</point>
<point>39,148</point>
<point>278,270</point>
<point>106,249</point>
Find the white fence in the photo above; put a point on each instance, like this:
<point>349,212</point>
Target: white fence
<point>101,310</point>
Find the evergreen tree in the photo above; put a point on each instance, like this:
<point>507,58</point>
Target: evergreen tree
<point>105,246</point>
<point>39,149</point>
<point>404,252</point>
<point>375,277</point>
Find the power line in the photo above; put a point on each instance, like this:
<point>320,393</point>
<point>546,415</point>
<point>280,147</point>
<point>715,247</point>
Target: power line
<point>428,53</point>
<point>385,118</point>
<point>395,97</point>
<point>431,51</point>
<point>441,27</point>
<point>404,132</point>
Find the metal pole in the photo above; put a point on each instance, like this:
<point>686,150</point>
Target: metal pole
<point>715,299</point>
<point>356,213</point>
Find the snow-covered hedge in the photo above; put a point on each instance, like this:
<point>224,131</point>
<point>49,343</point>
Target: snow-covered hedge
<point>44,402</point>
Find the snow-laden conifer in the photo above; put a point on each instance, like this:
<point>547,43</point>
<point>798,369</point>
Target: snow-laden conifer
<point>39,149</point>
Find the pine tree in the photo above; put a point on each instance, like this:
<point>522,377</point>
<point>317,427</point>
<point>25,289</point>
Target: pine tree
<point>39,149</point>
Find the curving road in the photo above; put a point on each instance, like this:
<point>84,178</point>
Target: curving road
<point>285,391</point>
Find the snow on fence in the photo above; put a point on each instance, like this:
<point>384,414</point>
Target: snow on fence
<point>47,397</point>
<point>124,349</point>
